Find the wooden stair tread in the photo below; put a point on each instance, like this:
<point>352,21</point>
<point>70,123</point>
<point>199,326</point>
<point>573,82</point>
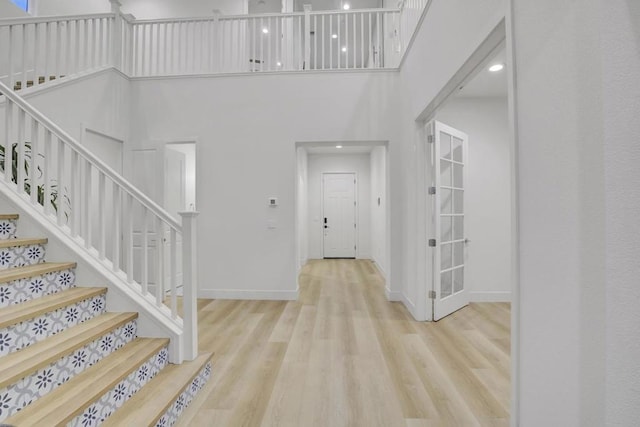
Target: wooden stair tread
<point>149,404</point>
<point>25,272</point>
<point>21,363</point>
<point>69,400</point>
<point>10,243</point>
<point>9,216</point>
<point>17,313</point>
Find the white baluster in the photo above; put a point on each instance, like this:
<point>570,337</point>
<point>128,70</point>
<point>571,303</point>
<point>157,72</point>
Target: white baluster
<point>145,251</point>
<point>33,175</point>
<point>129,236</point>
<point>324,36</point>
<point>362,40</point>
<point>20,152</point>
<point>87,199</point>
<point>60,198</point>
<point>75,194</point>
<point>47,171</point>
<point>117,227</point>
<point>159,261</point>
<point>8,145</point>
<point>102,233</point>
<point>11,80</point>
<point>173,273</point>
<point>36,55</point>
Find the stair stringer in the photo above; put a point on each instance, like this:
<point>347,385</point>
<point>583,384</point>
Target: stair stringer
<point>154,321</point>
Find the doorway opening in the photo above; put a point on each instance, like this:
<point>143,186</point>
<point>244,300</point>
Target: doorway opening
<point>341,202</point>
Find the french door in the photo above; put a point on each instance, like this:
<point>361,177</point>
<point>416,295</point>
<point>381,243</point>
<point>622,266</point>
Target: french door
<point>448,155</point>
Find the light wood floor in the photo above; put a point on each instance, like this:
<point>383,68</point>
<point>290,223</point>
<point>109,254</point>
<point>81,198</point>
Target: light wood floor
<point>344,356</point>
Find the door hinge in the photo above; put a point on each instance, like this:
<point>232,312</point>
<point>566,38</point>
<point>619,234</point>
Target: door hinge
<point>430,139</point>
<point>432,294</point>
<point>432,243</point>
<point>354,225</point>
<point>354,247</point>
<point>432,190</point>
<point>354,203</point>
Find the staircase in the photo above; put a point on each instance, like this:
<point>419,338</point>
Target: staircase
<point>66,360</point>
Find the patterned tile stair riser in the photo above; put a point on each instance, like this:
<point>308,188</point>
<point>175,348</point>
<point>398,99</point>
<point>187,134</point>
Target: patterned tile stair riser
<point>8,228</point>
<point>33,387</point>
<point>24,334</point>
<point>170,417</point>
<point>95,414</point>
<point>22,290</point>
<point>19,256</point>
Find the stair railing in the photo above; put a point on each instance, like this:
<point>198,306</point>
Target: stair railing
<point>117,224</point>
<point>35,51</point>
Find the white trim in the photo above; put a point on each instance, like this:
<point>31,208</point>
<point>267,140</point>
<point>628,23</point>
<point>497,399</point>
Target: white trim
<point>393,296</point>
<point>379,268</point>
<point>266,73</point>
<point>490,296</point>
<point>248,294</point>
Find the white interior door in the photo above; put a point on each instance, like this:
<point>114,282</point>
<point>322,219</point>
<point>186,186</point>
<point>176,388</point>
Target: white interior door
<point>339,215</point>
<point>448,165</point>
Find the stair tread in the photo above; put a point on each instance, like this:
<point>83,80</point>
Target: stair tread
<point>9,216</point>
<point>154,399</point>
<point>19,364</point>
<point>28,310</point>
<point>69,400</point>
<point>9,243</point>
<point>27,271</point>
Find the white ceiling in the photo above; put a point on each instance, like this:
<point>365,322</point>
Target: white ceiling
<point>486,84</point>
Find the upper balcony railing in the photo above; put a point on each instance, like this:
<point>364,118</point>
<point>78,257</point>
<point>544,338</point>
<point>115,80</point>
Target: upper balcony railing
<point>35,51</point>
<point>355,39</point>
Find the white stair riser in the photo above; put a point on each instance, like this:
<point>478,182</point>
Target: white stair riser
<point>19,256</point>
<point>33,387</point>
<point>95,414</point>
<point>21,290</point>
<point>24,334</point>
<point>172,415</point>
<point>8,228</point>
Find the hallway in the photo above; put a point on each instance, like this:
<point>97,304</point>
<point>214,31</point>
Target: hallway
<point>344,356</point>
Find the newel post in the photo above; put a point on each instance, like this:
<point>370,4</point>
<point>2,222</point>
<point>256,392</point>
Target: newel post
<point>116,37</point>
<point>190,283</point>
<point>307,36</point>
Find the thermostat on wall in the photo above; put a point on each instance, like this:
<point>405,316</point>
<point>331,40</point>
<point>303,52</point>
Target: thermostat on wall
<point>273,201</point>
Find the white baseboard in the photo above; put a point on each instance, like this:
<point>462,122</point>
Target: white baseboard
<point>379,268</point>
<point>393,296</point>
<point>490,296</point>
<point>248,294</point>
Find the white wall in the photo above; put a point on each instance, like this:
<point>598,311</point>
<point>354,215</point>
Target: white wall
<point>71,7</point>
<point>428,66</point>
<point>358,163</point>
<point>247,129</point>
<point>578,72</point>
<point>378,211</point>
<point>487,195</point>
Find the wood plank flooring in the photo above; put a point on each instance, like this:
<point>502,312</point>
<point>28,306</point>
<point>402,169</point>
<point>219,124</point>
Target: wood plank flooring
<point>342,355</point>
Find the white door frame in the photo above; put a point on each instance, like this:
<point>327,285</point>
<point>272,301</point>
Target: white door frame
<point>501,35</point>
<point>356,213</point>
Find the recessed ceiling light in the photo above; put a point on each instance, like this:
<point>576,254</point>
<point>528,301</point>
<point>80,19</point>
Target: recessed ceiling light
<point>334,36</point>
<point>346,6</point>
<point>279,64</point>
<point>496,67</point>
<point>344,48</point>
<point>265,30</point>
<point>338,146</point>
